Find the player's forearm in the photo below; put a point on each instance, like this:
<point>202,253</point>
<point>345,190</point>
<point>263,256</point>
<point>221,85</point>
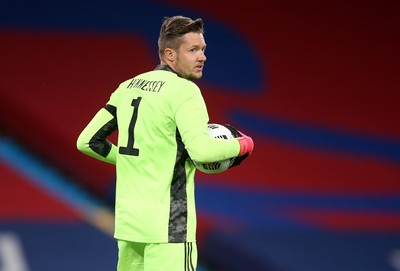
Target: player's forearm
<point>86,147</point>
<point>192,119</point>
<point>200,146</point>
<point>93,139</point>
<point>206,149</point>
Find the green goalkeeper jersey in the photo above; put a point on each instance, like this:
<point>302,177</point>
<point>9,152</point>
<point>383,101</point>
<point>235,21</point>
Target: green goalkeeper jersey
<point>162,124</point>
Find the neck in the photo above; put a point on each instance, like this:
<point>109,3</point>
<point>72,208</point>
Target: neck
<point>165,67</point>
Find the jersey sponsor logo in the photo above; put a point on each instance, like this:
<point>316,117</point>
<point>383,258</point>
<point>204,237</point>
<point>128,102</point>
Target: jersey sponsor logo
<point>146,85</point>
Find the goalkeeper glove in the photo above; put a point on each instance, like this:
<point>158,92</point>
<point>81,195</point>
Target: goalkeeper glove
<point>246,145</point>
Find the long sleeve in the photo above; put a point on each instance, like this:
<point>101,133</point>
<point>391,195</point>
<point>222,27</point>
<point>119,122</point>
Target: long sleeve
<point>93,139</point>
<point>192,118</point>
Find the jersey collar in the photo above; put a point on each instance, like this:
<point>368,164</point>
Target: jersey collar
<point>165,68</point>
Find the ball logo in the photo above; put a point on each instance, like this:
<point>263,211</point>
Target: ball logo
<point>212,166</point>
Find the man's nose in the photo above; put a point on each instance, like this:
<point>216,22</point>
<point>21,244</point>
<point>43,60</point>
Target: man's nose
<point>202,56</point>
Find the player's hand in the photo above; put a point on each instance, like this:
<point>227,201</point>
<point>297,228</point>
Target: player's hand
<point>246,145</point>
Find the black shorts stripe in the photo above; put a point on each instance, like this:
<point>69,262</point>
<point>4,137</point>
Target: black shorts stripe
<point>188,257</point>
<point>184,263</point>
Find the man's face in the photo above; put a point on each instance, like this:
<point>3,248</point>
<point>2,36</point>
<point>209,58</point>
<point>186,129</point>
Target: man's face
<point>189,59</point>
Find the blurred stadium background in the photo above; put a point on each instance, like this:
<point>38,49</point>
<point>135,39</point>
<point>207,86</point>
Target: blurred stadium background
<point>316,83</point>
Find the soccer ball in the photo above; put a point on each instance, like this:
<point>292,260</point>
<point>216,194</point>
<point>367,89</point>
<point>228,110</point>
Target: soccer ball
<point>216,131</point>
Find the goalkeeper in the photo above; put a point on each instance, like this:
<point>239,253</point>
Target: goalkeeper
<point>161,119</point>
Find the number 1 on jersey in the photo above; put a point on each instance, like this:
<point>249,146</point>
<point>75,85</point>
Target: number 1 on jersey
<point>129,149</point>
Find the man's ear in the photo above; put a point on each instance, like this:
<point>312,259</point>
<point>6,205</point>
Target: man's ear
<point>169,54</point>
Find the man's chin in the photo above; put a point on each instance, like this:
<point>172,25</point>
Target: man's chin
<point>196,75</point>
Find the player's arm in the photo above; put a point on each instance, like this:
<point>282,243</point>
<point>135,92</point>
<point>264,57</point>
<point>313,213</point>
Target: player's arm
<point>192,119</point>
<point>93,139</point>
